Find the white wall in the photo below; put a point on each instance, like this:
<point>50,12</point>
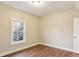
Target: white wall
<point>32,28</point>
<point>56,28</point>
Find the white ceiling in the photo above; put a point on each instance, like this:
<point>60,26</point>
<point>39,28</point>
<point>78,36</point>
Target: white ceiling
<point>44,8</point>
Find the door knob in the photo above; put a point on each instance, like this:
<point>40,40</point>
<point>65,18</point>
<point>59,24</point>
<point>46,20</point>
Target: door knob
<point>74,37</point>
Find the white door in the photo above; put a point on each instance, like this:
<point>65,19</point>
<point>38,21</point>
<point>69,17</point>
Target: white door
<point>76,35</point>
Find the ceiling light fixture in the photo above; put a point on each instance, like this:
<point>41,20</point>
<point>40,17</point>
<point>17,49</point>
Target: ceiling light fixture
<point>36,2</point>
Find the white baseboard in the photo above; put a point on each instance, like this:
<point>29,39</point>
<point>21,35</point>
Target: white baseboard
<point>15,50</point>
<point>58,47</point>
<point>21,48</point>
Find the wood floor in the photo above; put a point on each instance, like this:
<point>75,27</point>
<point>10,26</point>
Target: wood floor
<point>43,51</point>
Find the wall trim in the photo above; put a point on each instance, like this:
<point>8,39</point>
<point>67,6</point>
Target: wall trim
<point>59,47</point>
<point>15,50</point>
<point>21,48</point>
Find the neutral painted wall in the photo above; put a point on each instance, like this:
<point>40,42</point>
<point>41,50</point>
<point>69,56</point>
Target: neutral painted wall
<point>56,28</point>
<point>32,28</point>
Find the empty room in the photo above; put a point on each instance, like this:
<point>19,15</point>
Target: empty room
<point>39,28</point>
